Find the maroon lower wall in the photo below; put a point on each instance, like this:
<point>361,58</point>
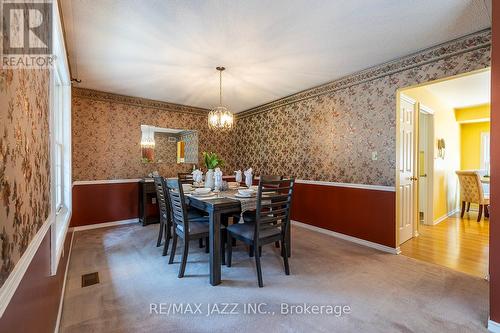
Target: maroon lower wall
<point>99,203</point>
<point>495,169</point>
<point>35,304</point>
<point>361,213</point>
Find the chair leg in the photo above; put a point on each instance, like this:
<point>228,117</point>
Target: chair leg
<point>285,258</point>
<point>487,211</point>
<point>160,234</point>
<point>200,242</point>
<point>480,213</point>
<point>257,264</point>
<point>167,241</point>
<point>260,251</point>
<point>207,249</point>
<point>229,249</point>
<point>184,258</point>
<point>168,236</point>
<point>250,251</point>
<point>468,207</point>
<point>174,247</point>
<point>463,209</point>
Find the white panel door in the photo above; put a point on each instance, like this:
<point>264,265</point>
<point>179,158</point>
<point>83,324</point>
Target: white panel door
<point>406,168</point>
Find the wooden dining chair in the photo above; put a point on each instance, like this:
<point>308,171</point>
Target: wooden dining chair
<point>249,216</point>
<point>186,228</point>
<point>272,221</point>
<point>185,177</point>
<point>471,191</point>
<point>165,216</point>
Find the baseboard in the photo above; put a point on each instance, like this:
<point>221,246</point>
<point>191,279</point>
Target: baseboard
<point>359,241</point>
<point>104,225</point>
<point>493,326</point>
<point>63,290</point>
<point>15,277</point>
<point>445,216</point>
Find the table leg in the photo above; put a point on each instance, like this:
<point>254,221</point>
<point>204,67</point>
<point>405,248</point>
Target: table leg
<point>214,240</point>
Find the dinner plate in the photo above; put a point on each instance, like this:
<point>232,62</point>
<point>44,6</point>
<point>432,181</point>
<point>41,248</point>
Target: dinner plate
<point>204,195</point>
<point>237,195</point>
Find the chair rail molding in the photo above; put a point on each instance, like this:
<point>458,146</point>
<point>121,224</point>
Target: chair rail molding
<point>15,277</point>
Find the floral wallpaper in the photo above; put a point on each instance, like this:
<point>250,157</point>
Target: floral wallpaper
<point>106,135</point>
<point>328,133</point>
<point>165,151</point>
<point>24,161</point>
<point>191,152</point>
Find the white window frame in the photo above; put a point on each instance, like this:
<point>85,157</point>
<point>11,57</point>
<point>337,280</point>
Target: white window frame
<point>60,142</point>
<point>485,152</point>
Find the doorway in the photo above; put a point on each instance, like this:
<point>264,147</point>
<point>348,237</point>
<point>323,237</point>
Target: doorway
<point>443,129</point>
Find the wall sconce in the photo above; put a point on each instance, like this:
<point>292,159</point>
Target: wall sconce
<point>441,148</point>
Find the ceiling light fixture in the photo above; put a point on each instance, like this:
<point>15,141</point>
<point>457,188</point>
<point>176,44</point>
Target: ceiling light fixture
<point>220,118</point>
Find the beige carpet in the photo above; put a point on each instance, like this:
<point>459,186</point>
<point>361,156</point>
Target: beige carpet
<point>386,293</point>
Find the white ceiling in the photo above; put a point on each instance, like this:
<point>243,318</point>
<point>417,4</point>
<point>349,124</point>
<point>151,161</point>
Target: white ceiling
<point>168,50</point>
<point>464,91</point>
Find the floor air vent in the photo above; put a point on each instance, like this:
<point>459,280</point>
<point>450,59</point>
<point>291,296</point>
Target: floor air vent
<point>90,279</point>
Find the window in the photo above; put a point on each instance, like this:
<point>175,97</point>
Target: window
<point>60,141</point>
<point>485,152</point>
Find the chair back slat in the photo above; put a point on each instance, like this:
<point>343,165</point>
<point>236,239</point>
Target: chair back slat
<point>274,198</point>
<point>185,177</point>
<point>163,204</point>
<point>178,204</point>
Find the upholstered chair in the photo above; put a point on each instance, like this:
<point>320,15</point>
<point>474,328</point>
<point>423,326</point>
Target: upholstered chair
<point>471,191</point>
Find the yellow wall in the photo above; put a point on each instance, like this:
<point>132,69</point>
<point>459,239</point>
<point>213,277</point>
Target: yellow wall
<point>445,190</point>
<point>470,139</point>
<point>479,112</point>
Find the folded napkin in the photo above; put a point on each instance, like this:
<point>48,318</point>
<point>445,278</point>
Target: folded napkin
<point>248,177</point>
<point>197,176</point>
<point>218,178</point>
<point>238,176</point>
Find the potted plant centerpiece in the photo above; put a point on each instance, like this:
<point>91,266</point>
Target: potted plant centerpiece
<point>212,161</point>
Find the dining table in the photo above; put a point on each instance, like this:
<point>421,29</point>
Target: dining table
<point>219,205</point>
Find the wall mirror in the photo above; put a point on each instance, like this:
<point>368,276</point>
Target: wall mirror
<point>167,145</point>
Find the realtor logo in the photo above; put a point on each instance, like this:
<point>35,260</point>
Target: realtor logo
<point>26,34</point>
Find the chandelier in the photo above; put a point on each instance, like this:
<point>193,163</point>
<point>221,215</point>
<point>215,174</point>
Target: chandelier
<point>220,118</point>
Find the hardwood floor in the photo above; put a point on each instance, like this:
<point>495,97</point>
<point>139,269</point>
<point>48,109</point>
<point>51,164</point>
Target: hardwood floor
<point>460,244</point>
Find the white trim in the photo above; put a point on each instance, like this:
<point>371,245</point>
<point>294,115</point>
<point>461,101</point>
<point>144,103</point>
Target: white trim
<point>473,121</point>
<point>349,185</point>
<point>299,181</point>
<point>63,290</point>
<point>10,285</point>
<point>445,216</point>
<point>104,225</point>
<point>106,181</point>
<point>493,326</point>
<point>359,241</point>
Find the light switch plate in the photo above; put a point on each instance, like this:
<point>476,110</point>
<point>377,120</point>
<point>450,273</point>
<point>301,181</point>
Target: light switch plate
<point>154,201</point>
<point>374,155</point>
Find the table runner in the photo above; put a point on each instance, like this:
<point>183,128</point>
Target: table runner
<point>247,204</point>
